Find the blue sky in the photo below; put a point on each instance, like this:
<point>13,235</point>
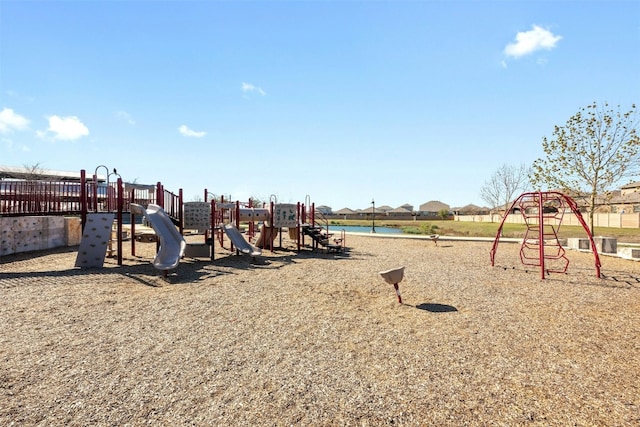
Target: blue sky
<point>341,101</point>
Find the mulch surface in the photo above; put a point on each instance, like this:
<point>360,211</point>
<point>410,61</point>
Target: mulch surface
<point>319,339</point>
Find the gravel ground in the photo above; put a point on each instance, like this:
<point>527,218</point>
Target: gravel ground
<point>319,339</point>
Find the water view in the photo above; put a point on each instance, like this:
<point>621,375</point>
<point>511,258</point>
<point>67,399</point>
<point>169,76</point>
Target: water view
<point>363,229</point>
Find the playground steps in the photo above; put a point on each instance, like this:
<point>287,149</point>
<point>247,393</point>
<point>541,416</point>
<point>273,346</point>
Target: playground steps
<point>113,240</point>
<point>319,237</point>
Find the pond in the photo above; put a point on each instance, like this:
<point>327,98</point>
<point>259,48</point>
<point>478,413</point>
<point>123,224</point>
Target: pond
<point>363,229</point>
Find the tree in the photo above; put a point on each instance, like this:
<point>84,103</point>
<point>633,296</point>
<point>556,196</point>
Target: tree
<point>34,172</point>
<point>591,154</point>
<point>500,189</point>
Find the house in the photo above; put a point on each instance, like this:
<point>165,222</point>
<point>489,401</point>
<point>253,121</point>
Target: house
<point>400,212</point>
<point>471,209</point>
<point>433,208</point>
<point>346,213</point>
<point>626,200</point>
<point>379,210</point>
<point>408,207</point>
<point>632,187</point>
<point>324,210</point>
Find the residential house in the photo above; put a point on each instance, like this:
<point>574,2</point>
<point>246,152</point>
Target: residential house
<point>408,207</point>
<point>433,208</point>
<point>324,210</point>
<point>346,213</point>
<point>627,199</point>
<point>471,209</point>
<point>400,212</point>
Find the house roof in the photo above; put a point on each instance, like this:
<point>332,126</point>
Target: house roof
<point>633,197</point>
<point>630,185</point>
<point>471,208</point>
<point>345,211</point>
<point>400,210</point>
<point>433,206</point>
<point>48,174</point>
<point>378,209</point>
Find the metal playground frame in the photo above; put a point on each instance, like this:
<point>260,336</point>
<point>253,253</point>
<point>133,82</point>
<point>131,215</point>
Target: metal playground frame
<point>543,213</point>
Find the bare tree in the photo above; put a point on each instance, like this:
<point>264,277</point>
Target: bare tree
<point>33,172</point>
<point>505,182</point>
<point>591,154</point>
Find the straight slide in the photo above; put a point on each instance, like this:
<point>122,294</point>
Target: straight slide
<point>172,244</point>
<point>239,241</point>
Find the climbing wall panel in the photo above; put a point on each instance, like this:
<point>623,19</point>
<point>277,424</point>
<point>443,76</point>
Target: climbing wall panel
<point>95,238</point>
<point>31,233</point>
<point>197,215</point>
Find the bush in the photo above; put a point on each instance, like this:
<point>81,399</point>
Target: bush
<point>411,230</point>
<point>425,228</point>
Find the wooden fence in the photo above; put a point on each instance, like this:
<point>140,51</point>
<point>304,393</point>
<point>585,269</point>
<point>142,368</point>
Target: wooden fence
<point>613,220</point>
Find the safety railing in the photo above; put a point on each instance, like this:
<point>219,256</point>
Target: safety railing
<point>42,197</point>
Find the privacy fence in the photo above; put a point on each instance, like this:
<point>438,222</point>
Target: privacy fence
<point>614,220</point>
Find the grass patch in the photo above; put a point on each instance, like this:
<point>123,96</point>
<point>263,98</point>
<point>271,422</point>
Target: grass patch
<point>489,229</point>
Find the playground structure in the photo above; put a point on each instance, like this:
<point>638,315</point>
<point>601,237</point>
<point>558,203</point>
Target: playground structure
<point>265,224</point>
<point>543,213</point>
<point>103,205</point>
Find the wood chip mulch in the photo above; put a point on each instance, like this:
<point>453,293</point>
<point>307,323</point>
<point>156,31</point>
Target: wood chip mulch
<point>319,339</point>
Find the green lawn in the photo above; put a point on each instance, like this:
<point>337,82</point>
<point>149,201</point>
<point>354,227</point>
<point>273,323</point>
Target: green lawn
<point>489,229</point>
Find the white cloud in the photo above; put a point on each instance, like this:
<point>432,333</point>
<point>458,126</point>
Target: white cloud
<point>66,128</point>
<point>10,145</point>
<point>10,121</point>
<point>248,87</point>
<point>185,131</point>
<point>531,41</point>
<point>123,115</point>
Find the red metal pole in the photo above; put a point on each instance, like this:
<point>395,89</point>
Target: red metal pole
<point>132,218</point>
<point>271,207</point>
<point>395,285</point>
<point>206,232</point>
<point>299,226</point>
<point>120,202</point>
<point>158,193</point>
<point>213,228</point>
<point>541,233</point>
<point>180,212</point>
<point>83,198</point>
<point>95,193</point>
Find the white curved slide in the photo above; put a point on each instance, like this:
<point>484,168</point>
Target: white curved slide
<point>172,244</point>
<point>239,241</point>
